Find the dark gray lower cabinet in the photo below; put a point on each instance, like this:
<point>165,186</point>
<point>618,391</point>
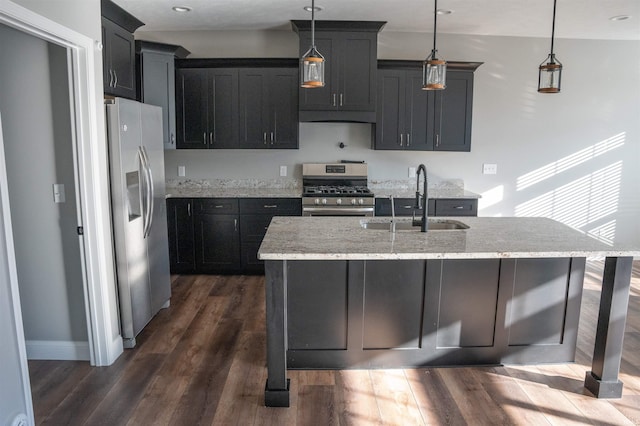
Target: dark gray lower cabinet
<point>437,207</point>
<point>255,217</point>
<point>182,255</point>
<point>389,313</point>
<point>221,235</point>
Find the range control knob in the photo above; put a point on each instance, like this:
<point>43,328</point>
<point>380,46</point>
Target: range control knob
<point>324,201</point>
<point>353,201</point>
<point>317,201</point>
<point>339,201</point>
<point>361,201</point>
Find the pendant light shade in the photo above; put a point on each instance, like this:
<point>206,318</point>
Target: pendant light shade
<point>550,71</point>
<point>434,70</point>
<point>312,62</point>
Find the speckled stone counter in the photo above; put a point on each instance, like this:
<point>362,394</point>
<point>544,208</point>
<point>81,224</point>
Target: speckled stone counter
<point>234,192</point>
<point>327,238</point>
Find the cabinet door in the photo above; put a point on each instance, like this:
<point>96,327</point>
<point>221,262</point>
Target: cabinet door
<point>453,107</point>
<point>323,98</point>
<point>180,231</point>
<point>119,58</point>
<point>255,129</point>
<point>158,88</point>
<point>283,101</point>
<point>357,64</point>
<point>217,243</point>
<point>223,108</point>
<point>418,121</point>
<point>391,110</point>
<point>191,106</point>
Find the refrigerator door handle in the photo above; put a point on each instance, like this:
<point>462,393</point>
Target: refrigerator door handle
<point>144,189</point>
<point>151,191</point>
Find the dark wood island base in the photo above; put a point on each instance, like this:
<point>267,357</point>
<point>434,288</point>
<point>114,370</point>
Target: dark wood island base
<point>337,314</point>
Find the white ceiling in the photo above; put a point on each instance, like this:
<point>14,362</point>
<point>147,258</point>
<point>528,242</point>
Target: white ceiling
<point>586,19</point>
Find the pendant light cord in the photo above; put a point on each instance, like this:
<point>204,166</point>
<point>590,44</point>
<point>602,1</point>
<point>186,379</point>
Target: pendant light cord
<point>553,27</point>
<point>435,22</point>
<point>313,24</point>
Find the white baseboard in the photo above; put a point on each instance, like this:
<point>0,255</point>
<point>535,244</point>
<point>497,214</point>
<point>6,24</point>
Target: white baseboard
<point>57,350</point>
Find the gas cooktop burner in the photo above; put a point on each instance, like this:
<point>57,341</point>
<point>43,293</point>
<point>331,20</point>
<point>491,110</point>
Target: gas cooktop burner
<point>361,191</point>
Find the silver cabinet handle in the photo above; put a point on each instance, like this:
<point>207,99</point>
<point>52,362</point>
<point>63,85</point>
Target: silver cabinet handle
<point>408,139</point>
<point>110,77</point>
<point>437,140</point>
<point>235,224</point>
<point>341,99</point>
<point>272,137</point>
<point>211,138</point>
<point>115,75</point>
<point>264,138</point>
<point>401,139</point>
<point>218,206</point>
<point>173,139</point>
<point>458,207</point>
<point>189,209</point>
<point>270,206</point>
<point>204,138</point>
<point>407,207</point>
<point>334,99</point>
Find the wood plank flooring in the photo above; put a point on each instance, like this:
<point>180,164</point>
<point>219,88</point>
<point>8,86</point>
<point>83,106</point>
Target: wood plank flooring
<point>202,362</point>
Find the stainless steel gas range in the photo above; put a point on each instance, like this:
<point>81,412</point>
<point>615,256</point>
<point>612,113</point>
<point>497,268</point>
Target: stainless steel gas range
<point>337,189</point>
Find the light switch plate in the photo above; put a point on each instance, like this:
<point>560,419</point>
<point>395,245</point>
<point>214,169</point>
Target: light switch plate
<point>58,193</point>
<point>489,169</point>
<point>412,172</point>
<point>283,171</point>
<point>182,172</point>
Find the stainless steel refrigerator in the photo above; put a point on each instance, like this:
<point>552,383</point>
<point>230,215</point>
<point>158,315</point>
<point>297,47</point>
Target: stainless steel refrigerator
<point>136,160</point>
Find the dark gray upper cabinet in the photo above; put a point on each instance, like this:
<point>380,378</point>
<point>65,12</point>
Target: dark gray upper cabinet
<point>118,50</point>
<point>268,108</point>
<point>403,111</point>
<point>237,103</point>
<point>207,108</point>
<point>156,83</point>
<point>409,118</point>
<point>350,50</point>
<point>453,110</point>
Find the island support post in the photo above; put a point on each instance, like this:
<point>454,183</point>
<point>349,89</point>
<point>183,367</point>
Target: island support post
<point>276,392</point>
<point>602,381</point>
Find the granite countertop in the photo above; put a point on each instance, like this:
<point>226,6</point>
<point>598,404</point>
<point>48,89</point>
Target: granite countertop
<point>431,192</point>
<point>331,238</point>
<point>235,192</point>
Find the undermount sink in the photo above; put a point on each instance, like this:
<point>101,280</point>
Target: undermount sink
<point>434,225</point>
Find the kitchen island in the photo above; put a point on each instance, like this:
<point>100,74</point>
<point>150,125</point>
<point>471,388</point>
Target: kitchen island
<point>503,291</point>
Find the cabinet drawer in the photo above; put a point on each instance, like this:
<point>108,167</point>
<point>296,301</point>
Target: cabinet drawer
<point>456,207</point>
<point>216,205</point>
<point>403,207</point>
<point>271,206</point>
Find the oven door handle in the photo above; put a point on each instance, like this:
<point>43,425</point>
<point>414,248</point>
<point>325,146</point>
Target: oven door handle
<point>338,211</point>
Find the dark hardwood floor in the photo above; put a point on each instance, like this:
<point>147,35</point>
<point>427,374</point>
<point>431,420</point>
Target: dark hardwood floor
<point>202,361</point>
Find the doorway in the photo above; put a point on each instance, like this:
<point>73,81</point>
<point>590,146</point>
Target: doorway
<point>40,163</point>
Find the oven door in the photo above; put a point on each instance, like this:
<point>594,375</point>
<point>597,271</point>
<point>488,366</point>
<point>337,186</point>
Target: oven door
<point>337,211</point>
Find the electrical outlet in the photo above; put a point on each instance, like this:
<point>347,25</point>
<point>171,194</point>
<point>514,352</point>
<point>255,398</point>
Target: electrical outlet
<point>58,193</point>
<point>489,169</point>
<point>283,171</point>
<point>182,172</point>
<point>412,172</point>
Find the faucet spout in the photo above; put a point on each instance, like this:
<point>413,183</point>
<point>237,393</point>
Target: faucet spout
<point>422,200</point>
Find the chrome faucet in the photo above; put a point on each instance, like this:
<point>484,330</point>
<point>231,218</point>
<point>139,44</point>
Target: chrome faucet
<point>422,200</point>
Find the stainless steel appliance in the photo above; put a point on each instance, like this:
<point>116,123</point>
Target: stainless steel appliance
<point>136,159</point>
<point>338,189</point>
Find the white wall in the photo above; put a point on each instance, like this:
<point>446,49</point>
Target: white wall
<point>572,156</point>
<point>38,151</point>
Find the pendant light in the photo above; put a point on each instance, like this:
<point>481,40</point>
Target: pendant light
<point>550,70</point>
<point>312,62</point>
<point>434,70</point>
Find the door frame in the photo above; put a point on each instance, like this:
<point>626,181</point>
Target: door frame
<point>90,150</point>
